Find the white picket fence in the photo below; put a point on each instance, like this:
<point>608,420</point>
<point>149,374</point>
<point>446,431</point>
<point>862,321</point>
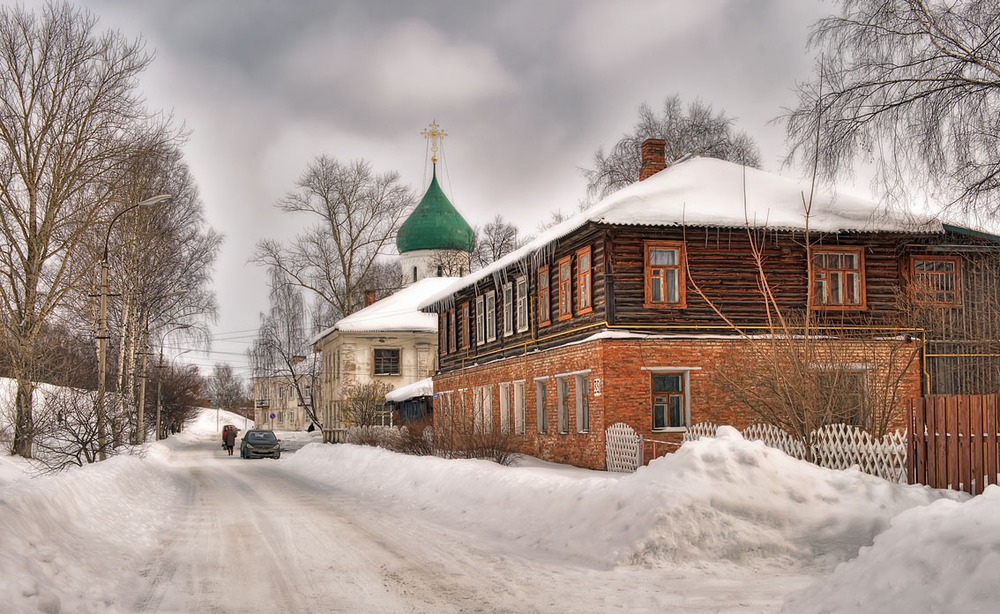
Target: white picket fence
<point>837,446</point>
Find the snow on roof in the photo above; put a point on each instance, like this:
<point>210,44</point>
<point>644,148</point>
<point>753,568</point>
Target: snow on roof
<point>422,388</point>
<point>395,313</point>
<point>710,192</point>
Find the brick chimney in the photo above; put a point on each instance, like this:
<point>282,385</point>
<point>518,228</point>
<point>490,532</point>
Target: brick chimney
<point>369,297</point>
<point>653,156</point>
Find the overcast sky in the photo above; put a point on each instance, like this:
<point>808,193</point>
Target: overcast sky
<point>526,91</point>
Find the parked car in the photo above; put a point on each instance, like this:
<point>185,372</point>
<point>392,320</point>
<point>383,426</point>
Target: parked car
<point>260,443</point>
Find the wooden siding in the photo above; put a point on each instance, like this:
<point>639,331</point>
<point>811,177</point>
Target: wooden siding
<point>535,336</point>
<point>721,266</point>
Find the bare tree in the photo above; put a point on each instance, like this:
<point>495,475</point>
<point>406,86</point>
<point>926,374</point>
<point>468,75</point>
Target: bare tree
<point>365,404</point>
<point>71,115</point>
<point>227,390</point>
<point>281,349</point>
<point>697,130</point>
<point>182,388</point>
<point>161,270</point>
<point>911,86</point>
<point>494,240</point>
<point>358,212</point>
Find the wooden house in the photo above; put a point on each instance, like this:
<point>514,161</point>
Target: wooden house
<point>635,310</point>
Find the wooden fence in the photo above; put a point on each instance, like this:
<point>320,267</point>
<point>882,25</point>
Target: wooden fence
<point>954,441</point>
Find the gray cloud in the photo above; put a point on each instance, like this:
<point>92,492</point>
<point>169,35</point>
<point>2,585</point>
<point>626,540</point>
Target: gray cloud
<point>526,90</point>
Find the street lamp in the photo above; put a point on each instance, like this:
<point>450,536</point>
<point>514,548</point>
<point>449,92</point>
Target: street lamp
<point>102,334</point>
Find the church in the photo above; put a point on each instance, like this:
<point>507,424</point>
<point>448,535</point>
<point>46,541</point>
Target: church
<point>390,344</point>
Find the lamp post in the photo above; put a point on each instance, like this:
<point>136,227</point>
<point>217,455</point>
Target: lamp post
<point>102,334</point>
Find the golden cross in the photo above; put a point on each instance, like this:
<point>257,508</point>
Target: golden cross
<point>434,133</point>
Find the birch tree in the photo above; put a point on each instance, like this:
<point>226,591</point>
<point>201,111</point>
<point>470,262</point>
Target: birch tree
<point>912,87</point>
<point>71,113</point>
<point>281,349</point>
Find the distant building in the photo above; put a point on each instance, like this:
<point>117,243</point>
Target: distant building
<point>277,404</point>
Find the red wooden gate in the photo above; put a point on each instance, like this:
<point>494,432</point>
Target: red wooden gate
<point>953,441</point>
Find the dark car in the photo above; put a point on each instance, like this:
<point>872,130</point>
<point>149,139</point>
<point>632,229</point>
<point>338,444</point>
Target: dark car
<point>260,443</point>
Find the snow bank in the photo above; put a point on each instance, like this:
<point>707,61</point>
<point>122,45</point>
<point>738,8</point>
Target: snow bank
<point>53,529</point>
<point>722,499</point>
<point>944,557</point>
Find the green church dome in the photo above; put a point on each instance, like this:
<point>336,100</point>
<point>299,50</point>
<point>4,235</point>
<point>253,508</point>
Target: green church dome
<point>435,224</point>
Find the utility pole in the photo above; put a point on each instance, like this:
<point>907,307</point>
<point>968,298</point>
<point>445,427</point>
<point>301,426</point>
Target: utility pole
<point>102,331</point>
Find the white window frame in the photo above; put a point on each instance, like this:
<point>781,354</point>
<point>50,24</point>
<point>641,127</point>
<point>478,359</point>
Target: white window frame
<point>541,400</point>
<point>522,304</point>
<point>508,309</point>
<point>685,372</point>
<point>491,316</point>
<point>562,409</point>
<point>480,321</point>
<point>477,411</point>
<point>582,403</point>
<point>505,408</point>
<point>519,407</point>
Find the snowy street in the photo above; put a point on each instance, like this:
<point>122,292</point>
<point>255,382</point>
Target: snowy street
<point>249,536</point>
<point>723,525</point>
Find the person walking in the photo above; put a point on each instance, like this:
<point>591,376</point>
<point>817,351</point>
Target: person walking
<point>230,439</point>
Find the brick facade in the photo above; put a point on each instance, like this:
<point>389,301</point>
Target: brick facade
<point>618,373</point>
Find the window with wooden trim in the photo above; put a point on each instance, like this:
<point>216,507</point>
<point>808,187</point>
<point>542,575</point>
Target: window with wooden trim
<point>582,403</point>
<point>491,315</point>
<point>934,280</point>
<point>565,288</point>
<point>562,404</point>
<point>466,337</point>
<point>508,309</point>
<point>386,361</point>
<point>522,304</point>
<point>845,391</point>
<point>838,278</point>
<point>505,408</point>
<point>480,320</point>
<point>541,398</point>
<point>443,333</point>
<point>482,408</point>
<point>519,407</point>
<point>664,274</point>
<point>452,333</point>
<point>584,286</point>
<point>544,297</point>
<point>669,401</point>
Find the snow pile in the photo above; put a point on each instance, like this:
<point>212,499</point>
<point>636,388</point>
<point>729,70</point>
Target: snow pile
<point>55,529</point>
<point>944,557</point>
<point>715,500</point>
<point>721,507</point>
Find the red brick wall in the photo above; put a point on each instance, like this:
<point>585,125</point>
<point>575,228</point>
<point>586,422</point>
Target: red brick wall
<point>620,377</point>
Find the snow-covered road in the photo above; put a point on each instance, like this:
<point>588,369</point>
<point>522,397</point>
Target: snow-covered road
<point>723,525</point>
<point>252,536</point>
